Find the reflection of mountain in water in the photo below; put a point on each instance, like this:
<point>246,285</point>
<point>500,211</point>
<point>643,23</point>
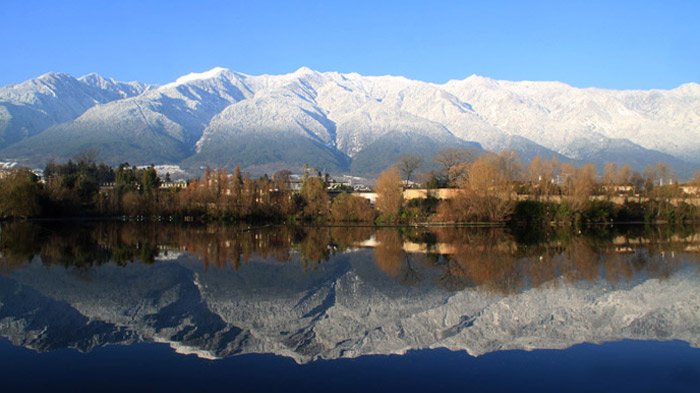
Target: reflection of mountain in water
<point>491,293</point>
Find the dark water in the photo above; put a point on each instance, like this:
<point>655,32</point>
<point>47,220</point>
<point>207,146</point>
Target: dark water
<point>144,307</point>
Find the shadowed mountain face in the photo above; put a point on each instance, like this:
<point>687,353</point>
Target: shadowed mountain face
<point>328,293</point>
<point>340,122</point>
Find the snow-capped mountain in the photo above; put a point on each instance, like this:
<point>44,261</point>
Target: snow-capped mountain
<point>579,123</point>
<point>31,107</point>
<point>113,89</point>
<point>158,126</point>
<point>341,122</point>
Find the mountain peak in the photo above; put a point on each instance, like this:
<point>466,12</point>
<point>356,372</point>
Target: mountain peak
<point>197,76</point>
<point>92,75</point>
<point>94,78</point>
<point>474,80</point>
<point>52,75</point>
<point>690,87</point>
<point>303,70</point>
<point>479,78</point>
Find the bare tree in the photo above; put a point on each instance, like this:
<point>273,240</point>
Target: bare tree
<point>551,171</point>
<point>510,165</point>
<point>696,179</point>
<point>450,160</point>
<point>389,193</point>
<point>535,171</point>
<point>650,176</point>
<point>317,201</point>
<point>610,175</point>
<point>282,178</point>
<point>542,174</point>
<point>583,185</point>
<point>408,164</point>
<point>487,192</point>
<point>624,175</point>
<point>566,175</point>
<point>638,182</point>
<point>665,173</point>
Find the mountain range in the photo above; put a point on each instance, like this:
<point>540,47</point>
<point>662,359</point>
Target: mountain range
<point>340,122</point>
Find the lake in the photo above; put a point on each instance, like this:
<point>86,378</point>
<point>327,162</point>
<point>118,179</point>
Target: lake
<point>110,306</point>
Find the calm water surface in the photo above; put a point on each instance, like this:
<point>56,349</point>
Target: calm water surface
<point>142,307</point>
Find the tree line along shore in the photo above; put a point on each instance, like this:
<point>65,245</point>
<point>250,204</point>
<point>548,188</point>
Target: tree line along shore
<point>461,188</point>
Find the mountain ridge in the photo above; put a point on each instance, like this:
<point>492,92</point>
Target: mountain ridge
<point>220,118</point>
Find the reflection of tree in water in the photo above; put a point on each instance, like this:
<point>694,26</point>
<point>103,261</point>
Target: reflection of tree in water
<point>489,259</point>
<point>317,244</point>
<point>315,247</point>
<point>580,261</point>
<point>216,246</point>
<point>486,259</point>
<point>18,244</point>
<point>497,263</point>
<point>467,248</point>
<point>391,258</point>
<point>345,238</point>
<point>73,249</point>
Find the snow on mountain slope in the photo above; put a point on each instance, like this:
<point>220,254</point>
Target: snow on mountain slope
<point>296,118</point>
<point>113,89</point>
<point>159,126</point>
<point>30,107</point>
<point>274,129</point>
<point>181,109</point>
<point>275,112</point>
<point>368,123</point>
<point>370,107</point>
<point>559,116</point>
<point>219,117</point>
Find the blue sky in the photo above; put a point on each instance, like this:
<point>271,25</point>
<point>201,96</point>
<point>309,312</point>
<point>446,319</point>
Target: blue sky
<point>612,44</point>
